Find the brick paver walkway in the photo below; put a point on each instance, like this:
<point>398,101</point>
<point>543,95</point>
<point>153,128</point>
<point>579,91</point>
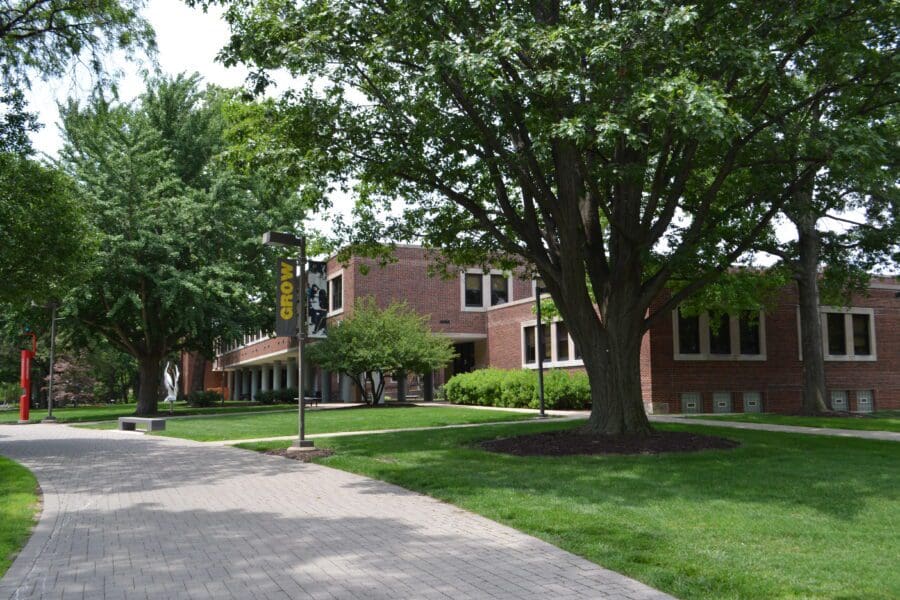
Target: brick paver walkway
<point>851,433</point>
<point>132,516</point>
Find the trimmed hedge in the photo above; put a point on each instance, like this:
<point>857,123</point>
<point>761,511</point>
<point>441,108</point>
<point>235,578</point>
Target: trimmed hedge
<point>282,396</point>
<point>519,389</point>
<point>204,399</point>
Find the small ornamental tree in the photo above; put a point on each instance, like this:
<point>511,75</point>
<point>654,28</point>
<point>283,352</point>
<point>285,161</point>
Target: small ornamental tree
<point>375,342</point>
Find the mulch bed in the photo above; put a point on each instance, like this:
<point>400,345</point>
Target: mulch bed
<point>573,442</point>
<point>307,456</point>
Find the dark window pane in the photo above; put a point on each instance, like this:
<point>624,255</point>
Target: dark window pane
<point>688,334</point>
<point>474,290</point>
<point>749,332</point>
<point>530,352</point>
<point>545,341</point>
<point>719,335</point>
<point>837,337</point>
<point>499,290</point>
<point>862,345</point>
<point>337,293</point>
<point>562,342</point>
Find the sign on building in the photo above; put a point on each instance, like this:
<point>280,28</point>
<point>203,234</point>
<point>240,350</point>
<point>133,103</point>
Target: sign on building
<point>287,300</point>
<point>316,299</point>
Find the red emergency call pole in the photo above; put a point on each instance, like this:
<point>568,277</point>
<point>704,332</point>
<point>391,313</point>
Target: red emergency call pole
<point>25,399</point>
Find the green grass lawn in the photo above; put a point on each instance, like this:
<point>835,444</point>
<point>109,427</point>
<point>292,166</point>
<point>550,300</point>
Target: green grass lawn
<point>112,412</point>
<point>782,516</point>
<point>886,420</point>
<point>240,427</point>
<point>18,509</point>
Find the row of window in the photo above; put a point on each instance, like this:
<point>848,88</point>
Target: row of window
<point>558,347</point>
<point>848,334</point>
<point>726,402</point>
<point>481,290</point>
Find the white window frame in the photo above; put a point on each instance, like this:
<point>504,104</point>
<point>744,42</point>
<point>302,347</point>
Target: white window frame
<point>554,361</point>
<point>848,333</point>
<point>328,280</point>
<point>485,289</point>
<point>734,329</point>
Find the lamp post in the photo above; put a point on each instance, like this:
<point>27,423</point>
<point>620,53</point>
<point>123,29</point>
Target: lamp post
<point>539,335</point>
<point>50,418</point>
<point>274,238</point>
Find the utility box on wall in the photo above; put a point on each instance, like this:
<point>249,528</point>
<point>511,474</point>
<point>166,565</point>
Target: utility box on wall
<point>722,402</point>
<point>752,402</point>
<point>839,401</point>
<point>691,403</point>
<point>864,403</point>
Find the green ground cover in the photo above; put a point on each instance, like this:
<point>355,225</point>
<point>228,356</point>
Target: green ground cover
<point>886,420</point>
<point>18,509</point>
<point>782,516</point>
<point>84,414</point>
<point>240,427</point>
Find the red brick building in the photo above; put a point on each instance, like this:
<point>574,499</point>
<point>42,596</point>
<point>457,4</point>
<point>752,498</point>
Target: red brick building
<point>749,363</point>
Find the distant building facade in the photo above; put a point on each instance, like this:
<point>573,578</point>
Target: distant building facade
<point>749,363</point>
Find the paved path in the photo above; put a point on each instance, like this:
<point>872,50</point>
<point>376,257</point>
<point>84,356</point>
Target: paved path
<point>131,516</point>
<point>853,433</point>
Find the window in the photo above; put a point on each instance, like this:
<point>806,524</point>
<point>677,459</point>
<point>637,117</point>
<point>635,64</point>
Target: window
<point>862,344</point>
<point>499,289</point>
<point>530,350</point>
<point>562,342</point>
<point>688,334</point>
<point>474,290</point>
<point>740,336</point>
<point>748,331</point>
<point>848,333</point>
<point>557,346</point>
<point>336,293</point>
<point>720,335</point>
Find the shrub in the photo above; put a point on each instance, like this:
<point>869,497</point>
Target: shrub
<point>204,399</point>
<point>519,389</point>
<point>282,396</point>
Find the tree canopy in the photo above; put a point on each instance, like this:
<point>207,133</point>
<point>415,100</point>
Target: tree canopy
<point>375,342</point>
<point>178,265</point>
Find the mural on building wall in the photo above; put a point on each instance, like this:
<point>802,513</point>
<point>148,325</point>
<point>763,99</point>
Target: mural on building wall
<point>317,299</point>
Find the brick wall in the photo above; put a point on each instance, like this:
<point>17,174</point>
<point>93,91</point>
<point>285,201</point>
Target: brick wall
<point>779,377</point>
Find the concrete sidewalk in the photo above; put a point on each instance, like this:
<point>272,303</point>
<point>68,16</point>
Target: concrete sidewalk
<point>133,516</point>
<point>851,433</point>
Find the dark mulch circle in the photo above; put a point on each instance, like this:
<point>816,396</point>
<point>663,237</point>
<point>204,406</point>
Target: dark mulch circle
<point>307,456</point>
<point>572,442</point>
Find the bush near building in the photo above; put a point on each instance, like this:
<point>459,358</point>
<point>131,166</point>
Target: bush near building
<point>519,389</point>
<point>203,399</point>
<point>282,396</point>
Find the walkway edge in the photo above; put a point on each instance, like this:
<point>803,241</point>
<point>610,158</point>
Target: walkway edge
<point>847,433</point>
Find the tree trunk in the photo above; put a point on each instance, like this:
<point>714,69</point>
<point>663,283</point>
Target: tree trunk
<point>806,274</point>
<point>198,371</point>
<point>149,373</point>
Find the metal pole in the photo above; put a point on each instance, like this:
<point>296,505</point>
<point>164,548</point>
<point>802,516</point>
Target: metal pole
<point>301,341</point>
<point>50,418</point>
<point>540,348</point>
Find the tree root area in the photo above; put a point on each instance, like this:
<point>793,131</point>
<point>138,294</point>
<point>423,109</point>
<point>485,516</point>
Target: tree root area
<point>307,456</point>
<point>576,442</point>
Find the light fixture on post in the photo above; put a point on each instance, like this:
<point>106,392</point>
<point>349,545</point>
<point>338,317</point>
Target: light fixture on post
<point>274,238</point>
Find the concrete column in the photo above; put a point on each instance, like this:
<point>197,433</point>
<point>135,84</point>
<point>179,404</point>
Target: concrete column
<point>276,375</point>
<point>254,382</point>
<point>229,383</point>
<point>326,385</point>
<point>266,382</point>
<point>401,386</point>
<point>346,388</point>
<point>376,381</point>
<point>292,373</point>
<point>428,385</point>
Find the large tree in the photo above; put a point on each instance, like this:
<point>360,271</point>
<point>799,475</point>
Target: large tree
<point>179,264</point>
<point>607,143</point>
